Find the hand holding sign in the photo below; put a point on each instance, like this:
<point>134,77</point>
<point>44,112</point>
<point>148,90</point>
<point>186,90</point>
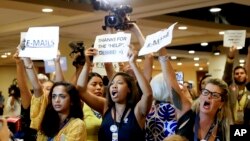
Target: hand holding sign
<point>90,52</point>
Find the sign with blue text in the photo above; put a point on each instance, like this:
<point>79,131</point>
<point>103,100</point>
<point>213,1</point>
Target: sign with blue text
<point>50,65</point>
<point>40,43</point>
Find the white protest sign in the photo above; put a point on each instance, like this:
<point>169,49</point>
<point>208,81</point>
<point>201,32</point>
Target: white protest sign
<point>50,65</point>
<point>234,38</point>
<point>156,41</point>
<point>112,47</point>
<point>100,68</point>
<point>41,43</point>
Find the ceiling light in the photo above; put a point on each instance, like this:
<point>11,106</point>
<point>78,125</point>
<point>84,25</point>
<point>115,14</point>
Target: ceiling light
<point>3,56</point>
<point>216,52</point>
<point>191,51</point>
<point>8,53</point>
<point>208,63</point>
<point>215,10</point>
<point>196,58</point>
<point>153,66</point>
<point>47,10</point>
<point>138,60</point>
<point>242,61</point>
<point>182,28</point>
<point>179,63</point>
<point>242,65</point>
<point>197,64</point>
<point>204,44</point>
<point>221,32</point>
<point>173,57</point>
<point>200,68</point>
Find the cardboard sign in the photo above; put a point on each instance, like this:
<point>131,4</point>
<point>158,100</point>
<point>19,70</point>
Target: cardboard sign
<point>50,65</point>
<point>41,43</point>
<point>234,38</point>
<point>112,47</point>
<point>158,40</point>
<point>99,68</point>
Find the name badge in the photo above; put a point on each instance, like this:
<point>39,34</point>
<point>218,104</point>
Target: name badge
<point>115,136</point>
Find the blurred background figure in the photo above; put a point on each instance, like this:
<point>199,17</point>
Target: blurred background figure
<point>13,105</point>
<point>1,103</point>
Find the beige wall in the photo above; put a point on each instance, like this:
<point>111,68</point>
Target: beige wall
<point>7,74</point>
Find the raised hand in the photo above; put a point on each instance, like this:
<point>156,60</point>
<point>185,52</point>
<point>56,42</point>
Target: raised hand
<point>232,52</point>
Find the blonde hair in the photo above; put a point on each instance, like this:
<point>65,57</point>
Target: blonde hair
<point>161,90</point>
<point>224,116</point>
<point>175,137</point>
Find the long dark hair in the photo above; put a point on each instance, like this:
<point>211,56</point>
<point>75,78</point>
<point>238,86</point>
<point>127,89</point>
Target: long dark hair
<point>132,97</point>
<point>50,125</point>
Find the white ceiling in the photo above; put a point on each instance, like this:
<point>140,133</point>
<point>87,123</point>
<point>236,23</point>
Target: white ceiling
<point>79,21</point>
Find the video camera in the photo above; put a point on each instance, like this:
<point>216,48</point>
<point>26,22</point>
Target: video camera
<point>117,19</point>
<point>77,47</point>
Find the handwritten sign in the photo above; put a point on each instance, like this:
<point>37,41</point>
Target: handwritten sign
<point>112,47</point>
<point>234,38</point>
<point>156,41</point>
<point>50,65</point>
<point>41,43</point>
<point>100,68</point>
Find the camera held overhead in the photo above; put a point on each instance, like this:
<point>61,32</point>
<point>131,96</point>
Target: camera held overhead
<point>117,16</point>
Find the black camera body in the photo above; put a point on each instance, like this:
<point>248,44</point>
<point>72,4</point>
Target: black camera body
<point>77,47</point>
<point>117,18</point>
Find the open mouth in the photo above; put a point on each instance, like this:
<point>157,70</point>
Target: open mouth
<point>114,93</point>
<point>206,105</point>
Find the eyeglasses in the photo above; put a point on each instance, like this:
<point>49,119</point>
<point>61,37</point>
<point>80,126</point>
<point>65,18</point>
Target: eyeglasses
<point>214,95</point>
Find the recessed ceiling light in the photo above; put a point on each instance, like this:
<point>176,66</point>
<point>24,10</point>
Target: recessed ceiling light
<point>197,64</point>
<point>153,66</point>
<point>200,68</point>
<point>8,53</point>
<point>3,56</point>
<point>221,32</point>
<point>179,63</point>
<point>182,28</point>
<point>138,60</point>
<point>242,61</point>
<point>191,51</point>
<point>215,9</point>
<point>208,63</point>
<point>173,57</point>
<point>242,65</point>
<point>47,10</point>
<point>196,58</point>
<point>204,44</point>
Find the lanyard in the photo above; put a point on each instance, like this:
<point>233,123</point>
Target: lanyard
<point>196,127</point>
<point>123,115</point>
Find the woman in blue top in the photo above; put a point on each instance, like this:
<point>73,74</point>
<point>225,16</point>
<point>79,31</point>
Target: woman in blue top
<point>123,113</point>
<point>161,121</point>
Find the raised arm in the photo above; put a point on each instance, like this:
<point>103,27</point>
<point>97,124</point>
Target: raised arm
<point>179,97</point>
<point>32,75</point>
<point>58,69</point>
<point>228,71</point>
<point>22,82</point>
<point>95,102</point>
<point>143,106</point>
<point>149,58</point>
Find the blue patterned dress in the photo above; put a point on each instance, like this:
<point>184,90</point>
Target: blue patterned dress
<point>160,121</point>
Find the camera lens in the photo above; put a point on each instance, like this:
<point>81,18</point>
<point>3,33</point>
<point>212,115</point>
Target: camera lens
<point>111,20</point>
